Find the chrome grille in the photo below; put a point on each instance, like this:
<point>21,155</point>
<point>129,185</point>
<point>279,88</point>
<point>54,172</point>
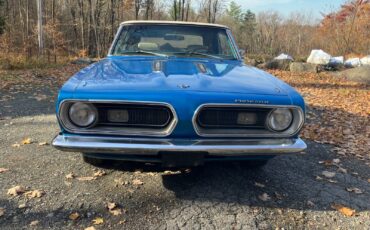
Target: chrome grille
<point>144,118</point>
<point>221,120</point>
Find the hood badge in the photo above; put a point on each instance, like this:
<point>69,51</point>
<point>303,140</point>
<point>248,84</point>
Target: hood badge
<point>242,101</point>
<point>183,86</point>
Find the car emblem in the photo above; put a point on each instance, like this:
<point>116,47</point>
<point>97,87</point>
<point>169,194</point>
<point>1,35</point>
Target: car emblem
<point>183,86</point>
<point>242,101</point>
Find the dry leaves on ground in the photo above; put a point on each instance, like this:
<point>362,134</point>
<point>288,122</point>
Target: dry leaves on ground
<point>344,210</point>
<point>74,216</point>
<point>70,176</point>
<point>111,205</point>
<point>42,77</point>
<point>137,182</point>
<point>90,228</point>
<point>114,209</point>
<point>259,185</point>
<point>354,190</point>
<point>86,178</point>
<point>98,220</point>
<point>34,194</point>
<point>43,143</point>
<point>328,174</point>
<point>16,145</point>
<point>338,111</point>
<point>3,170</point>
<point>34,223</point>
<point>16,190</point>
<point>99,173</point>
<point>27,141</point>
<point>264,197</point>
<point>2,212</point>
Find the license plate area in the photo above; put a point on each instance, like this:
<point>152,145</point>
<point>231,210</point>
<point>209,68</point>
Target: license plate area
<point>182,159</point>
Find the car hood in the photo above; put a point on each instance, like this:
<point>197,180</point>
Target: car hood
<point>122,74</point>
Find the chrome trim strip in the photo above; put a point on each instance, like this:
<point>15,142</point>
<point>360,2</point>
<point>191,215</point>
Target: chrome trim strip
<point>64,121</point>
<point>146,146</point>
<point>299,113</point>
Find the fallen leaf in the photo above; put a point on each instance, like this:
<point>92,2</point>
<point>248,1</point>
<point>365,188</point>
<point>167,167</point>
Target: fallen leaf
<point>111,205</point>
<point>16,190</point>
<point>98,221</point>
<point>122,222</point>
<point>90,228</point>
<point>336,160</point>
<point>354,190</point>
<point>74,216</point>
<point>34,194</point>
<point>310,203</point>
<point>86,178</point>
<point>342,170</point>
<point>344,210</point>
<point>22,206</point>
<point>3,170</point>
<point>2,211</point>
<point>137,182</point>
<point>70,176</point>
<point>116,211</point>
<point>326,162</point>
<point>27,141</point>
<point>259,185</point>
<point>16,145</point>
<point>264,197</point>
<point>34,223</point>
<point>328,174</point>
<point>99,173</point>
<point>278,195</point>
<point>43,143</point>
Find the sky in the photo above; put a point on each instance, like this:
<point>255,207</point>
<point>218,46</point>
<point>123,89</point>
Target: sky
<point>312,7</point>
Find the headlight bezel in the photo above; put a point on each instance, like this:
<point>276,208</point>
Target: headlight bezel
<point>92,109</point>
<point>296,124</point>
<point>65,121</point>
<point>270,116</point>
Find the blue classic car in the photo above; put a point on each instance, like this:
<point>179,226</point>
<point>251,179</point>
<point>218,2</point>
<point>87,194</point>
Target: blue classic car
<point>179,94</point>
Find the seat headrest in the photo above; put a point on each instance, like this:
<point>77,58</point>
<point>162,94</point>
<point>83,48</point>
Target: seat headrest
<point>148,46</point>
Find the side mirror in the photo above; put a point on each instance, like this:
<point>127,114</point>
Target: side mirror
<point>242,53</point>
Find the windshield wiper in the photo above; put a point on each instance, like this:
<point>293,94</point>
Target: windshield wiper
<point>197,53</point>
<point>144,52</point>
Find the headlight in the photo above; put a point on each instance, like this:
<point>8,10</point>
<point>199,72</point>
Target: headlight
<point>82,114</point>
<point>280,119</point>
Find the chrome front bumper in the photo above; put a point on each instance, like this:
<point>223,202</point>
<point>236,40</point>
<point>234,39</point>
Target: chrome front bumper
<point>153,146</point>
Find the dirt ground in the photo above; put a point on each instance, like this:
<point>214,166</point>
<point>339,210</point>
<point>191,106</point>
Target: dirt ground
<point>328,186</point>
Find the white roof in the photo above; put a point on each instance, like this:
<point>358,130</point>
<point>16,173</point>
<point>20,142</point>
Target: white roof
<point>173,23</point>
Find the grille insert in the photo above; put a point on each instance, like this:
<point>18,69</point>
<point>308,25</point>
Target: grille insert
<point>214,117</point>
<point>138,115</point>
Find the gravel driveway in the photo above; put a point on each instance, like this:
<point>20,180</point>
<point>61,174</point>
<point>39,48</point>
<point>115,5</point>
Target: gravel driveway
<point>290,192</point>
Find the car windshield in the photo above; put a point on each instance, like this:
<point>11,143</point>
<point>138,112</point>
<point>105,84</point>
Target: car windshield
<point>174,40</point>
